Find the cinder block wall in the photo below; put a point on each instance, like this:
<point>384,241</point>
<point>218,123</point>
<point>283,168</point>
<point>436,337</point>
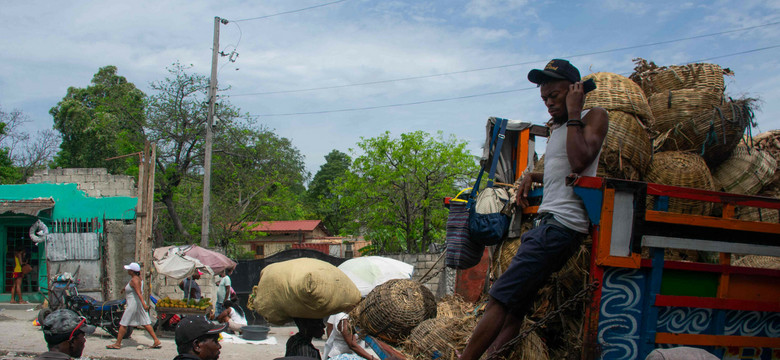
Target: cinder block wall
<point>96,182</point>
<point>120,251</point>
<point>165,286</point>
<point>440,284</point>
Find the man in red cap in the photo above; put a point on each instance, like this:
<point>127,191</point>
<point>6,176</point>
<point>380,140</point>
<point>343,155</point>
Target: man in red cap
<point>573,150</point>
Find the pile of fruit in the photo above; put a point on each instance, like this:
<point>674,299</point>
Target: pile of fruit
<point>202,304</point>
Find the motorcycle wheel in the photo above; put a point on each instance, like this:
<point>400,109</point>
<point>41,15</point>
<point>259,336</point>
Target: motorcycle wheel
<point>114,331</point>
<point>42,315</point>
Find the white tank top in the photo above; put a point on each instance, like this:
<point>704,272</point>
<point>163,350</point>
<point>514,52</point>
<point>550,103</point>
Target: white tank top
<point>559,199</point>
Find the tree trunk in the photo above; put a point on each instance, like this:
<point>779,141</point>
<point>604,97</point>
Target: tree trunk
<point>168,201</point>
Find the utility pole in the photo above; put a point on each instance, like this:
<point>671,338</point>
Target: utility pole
<point>204,237</point>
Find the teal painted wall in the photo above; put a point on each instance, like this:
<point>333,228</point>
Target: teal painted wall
<point>69,203</point>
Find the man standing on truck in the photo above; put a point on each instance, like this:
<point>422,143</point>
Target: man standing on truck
<point>573,149</point>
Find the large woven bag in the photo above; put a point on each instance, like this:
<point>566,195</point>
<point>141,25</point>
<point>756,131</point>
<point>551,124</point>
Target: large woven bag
<point>627,149</point>
<point>678,168</point>
<point>746,171</point>
<point>617,92</point>
<point>393,309</point>
<point>675,106</point>
<point>713,134</point>
<point>654,79</point>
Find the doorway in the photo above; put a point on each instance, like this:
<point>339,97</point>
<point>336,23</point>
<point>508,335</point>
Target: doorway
<point>17,237</point>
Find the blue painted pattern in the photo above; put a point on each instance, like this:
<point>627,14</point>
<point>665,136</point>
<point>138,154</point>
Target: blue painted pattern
<point>620,313</point>
<point>685,320</point>
<point>752,323</point>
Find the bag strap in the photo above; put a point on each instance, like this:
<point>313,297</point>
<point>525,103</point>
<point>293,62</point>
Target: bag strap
<point>475,189</point>
<point>501,123</point>
<point>498,134</point>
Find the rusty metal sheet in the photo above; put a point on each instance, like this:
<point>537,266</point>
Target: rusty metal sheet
<point>73,246</point>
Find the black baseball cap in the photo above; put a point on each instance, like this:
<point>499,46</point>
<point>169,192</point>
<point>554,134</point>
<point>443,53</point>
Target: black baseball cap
<point>555,69</point>
<point>193,327</point>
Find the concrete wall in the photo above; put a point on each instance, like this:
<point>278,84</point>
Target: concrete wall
<point>442,283</point>
<point>165,286</point>
<point>95,182</point>
<point>86,271</point>
<point>120,251</point>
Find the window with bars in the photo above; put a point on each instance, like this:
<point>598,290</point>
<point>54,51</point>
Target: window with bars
<point>18,238</point>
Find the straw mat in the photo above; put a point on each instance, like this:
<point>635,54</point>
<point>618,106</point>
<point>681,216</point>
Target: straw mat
<point>393,309</point>
<point>617,92</point>
<point>679,168</point>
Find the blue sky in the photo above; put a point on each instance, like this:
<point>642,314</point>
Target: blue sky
<point>51,45</point>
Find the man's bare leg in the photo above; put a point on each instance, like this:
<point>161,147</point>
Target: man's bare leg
<point>486,331</point>
<point>512,326</point>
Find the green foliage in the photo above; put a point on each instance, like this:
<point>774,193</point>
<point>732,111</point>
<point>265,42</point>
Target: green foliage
<point>395,189</point>
<point>100,121</point>
<point>320,198</point>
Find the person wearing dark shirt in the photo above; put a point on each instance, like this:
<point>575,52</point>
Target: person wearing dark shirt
<point>300,343</point>
<point>64,332</point>
<point>190,287</point>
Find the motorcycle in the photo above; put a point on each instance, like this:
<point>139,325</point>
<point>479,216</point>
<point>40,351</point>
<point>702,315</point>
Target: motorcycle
<point>64,294</point>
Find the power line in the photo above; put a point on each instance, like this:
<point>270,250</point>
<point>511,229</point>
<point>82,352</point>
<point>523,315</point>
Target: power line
<point>474,95</point>
<point>506,65</point>
<point>291,11</point>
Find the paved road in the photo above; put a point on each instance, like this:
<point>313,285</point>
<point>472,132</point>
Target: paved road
<point>20,339</point>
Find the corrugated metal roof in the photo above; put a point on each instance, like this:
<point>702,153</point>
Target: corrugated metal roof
<point>72,246</point>
<point>287,226</point>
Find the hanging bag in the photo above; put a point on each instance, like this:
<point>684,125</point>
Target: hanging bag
<point>488,219</point>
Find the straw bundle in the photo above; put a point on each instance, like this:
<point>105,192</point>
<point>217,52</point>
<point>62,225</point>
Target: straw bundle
<point>757,261</point>
<point>393,309</point>
<point>532,347</point>
<point>746,171</point>
<point>675,106</point>
<point>627,149</point>
<point>617,92</point>
<point>654,79</point>
<point>713,133</point>
<point>507,249</point>
<point>678,168</point>
<point>453,306</point>
<point>440,337</point>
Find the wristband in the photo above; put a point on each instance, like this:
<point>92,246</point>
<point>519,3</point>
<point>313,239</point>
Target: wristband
<point>575,122</point>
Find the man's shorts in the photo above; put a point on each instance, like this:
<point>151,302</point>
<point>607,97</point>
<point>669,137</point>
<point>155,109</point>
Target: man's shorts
<point>18,275</point>
<point>543,251</point>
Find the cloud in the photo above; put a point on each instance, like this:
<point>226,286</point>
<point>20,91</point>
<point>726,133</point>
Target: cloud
<point>485,9</point>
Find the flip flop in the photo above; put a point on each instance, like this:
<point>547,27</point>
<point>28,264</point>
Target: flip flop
<point>113,347</point>
<point>158,346</point>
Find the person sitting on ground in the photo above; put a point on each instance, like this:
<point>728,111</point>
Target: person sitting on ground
<point>342,343</point>
<point>232,317</point>
<point>300,343</point>
<point>190,287</point>
<point>65,334</point>
<point>198,338</point>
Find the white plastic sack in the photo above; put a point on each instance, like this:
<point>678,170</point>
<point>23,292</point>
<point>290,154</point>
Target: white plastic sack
<point>368,272</point>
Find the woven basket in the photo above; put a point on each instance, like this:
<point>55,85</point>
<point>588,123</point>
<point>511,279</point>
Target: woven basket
<point>627,149</point>
<point>678,168</point>
<point>746,171</point>
<point>675,106</point>
<point>617,92</point>
<point>532,347</point>
<point>757,261</point>
<point>654,79</point>
<point>770,141</point>
<point>440,337</point>
<point>453,306</point>
<point>713,133</point>
<point>393,309</point>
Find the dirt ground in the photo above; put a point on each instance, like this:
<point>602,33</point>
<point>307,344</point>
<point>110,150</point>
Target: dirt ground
<point>20,339</point>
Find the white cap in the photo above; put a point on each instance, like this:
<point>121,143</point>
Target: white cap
<point>133,266</point>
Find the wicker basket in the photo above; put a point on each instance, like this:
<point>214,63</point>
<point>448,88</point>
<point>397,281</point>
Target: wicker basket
<point>617,92</point>
<point>678,168</point>
<point>627,149</point>
<point>675,106</point>
<point>770,141</point>
<point>746,171</point>
<point>440,337</point>
<point>757,261</point>
<point>393,309</point>
<point>654,79</point>
<point>713,133</point>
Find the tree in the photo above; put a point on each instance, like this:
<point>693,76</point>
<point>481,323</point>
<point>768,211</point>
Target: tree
<point>176,121</point>
<point>320,197</point>
<point>395,189</point>
<point>257,176</point>
<point>101,121</point>
<point>21,153</point>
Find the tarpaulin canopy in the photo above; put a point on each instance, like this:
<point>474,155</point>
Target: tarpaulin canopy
<point>212,259</point>
<point>368,272</point>
<point>179,266</point>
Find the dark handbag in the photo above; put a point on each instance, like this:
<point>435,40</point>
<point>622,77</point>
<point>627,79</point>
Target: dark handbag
<point>488,220</point>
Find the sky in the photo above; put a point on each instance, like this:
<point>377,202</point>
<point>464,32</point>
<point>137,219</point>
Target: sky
<point>336,71</point>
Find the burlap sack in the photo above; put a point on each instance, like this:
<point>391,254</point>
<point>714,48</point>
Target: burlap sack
<point>304,288</point>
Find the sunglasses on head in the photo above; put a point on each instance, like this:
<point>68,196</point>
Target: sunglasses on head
<point>81,323</point>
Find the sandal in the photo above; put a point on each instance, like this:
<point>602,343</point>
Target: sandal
<point>113,346</point>
<point>156,346</point>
